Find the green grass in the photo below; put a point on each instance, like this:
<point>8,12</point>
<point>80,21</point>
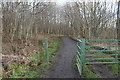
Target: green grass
<point>115,68</point>
<point>88,73</point>
<point>53,47</point>
<point>105,60</point>
<point>0,78</point>
<point>87,43</point>
<point>92,52</point>
<point>74,61</point>
<point>37,66</point>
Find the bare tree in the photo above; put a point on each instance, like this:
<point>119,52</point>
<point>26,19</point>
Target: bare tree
<point>118,25</point>
<point>1,32</point>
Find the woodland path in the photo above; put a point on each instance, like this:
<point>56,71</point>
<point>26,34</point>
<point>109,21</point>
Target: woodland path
<point>63,64</point>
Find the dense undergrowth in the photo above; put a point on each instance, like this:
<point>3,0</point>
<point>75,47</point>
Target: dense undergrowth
<point>37,66</point>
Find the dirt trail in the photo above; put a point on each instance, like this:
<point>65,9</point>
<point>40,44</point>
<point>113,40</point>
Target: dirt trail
<point>104,71</point>
<point>63,63</point>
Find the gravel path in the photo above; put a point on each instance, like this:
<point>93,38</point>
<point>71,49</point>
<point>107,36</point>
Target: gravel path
<point>63,64</point>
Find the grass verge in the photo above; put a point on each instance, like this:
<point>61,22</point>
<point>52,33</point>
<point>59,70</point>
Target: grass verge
<point>37,67</point>
<point>87,73</point>
<point>115,68</point>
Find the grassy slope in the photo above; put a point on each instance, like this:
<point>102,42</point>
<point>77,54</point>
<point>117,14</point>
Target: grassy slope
<point>38,65</point>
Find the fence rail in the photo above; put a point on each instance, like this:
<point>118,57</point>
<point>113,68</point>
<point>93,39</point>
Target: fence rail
<point>84,55</point>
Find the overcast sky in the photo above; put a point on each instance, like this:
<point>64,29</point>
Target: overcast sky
<point>58,0</point>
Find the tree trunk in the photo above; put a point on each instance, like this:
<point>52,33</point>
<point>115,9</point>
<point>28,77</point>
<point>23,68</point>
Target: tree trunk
<point>118,25</point>
<point>1,32</point>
